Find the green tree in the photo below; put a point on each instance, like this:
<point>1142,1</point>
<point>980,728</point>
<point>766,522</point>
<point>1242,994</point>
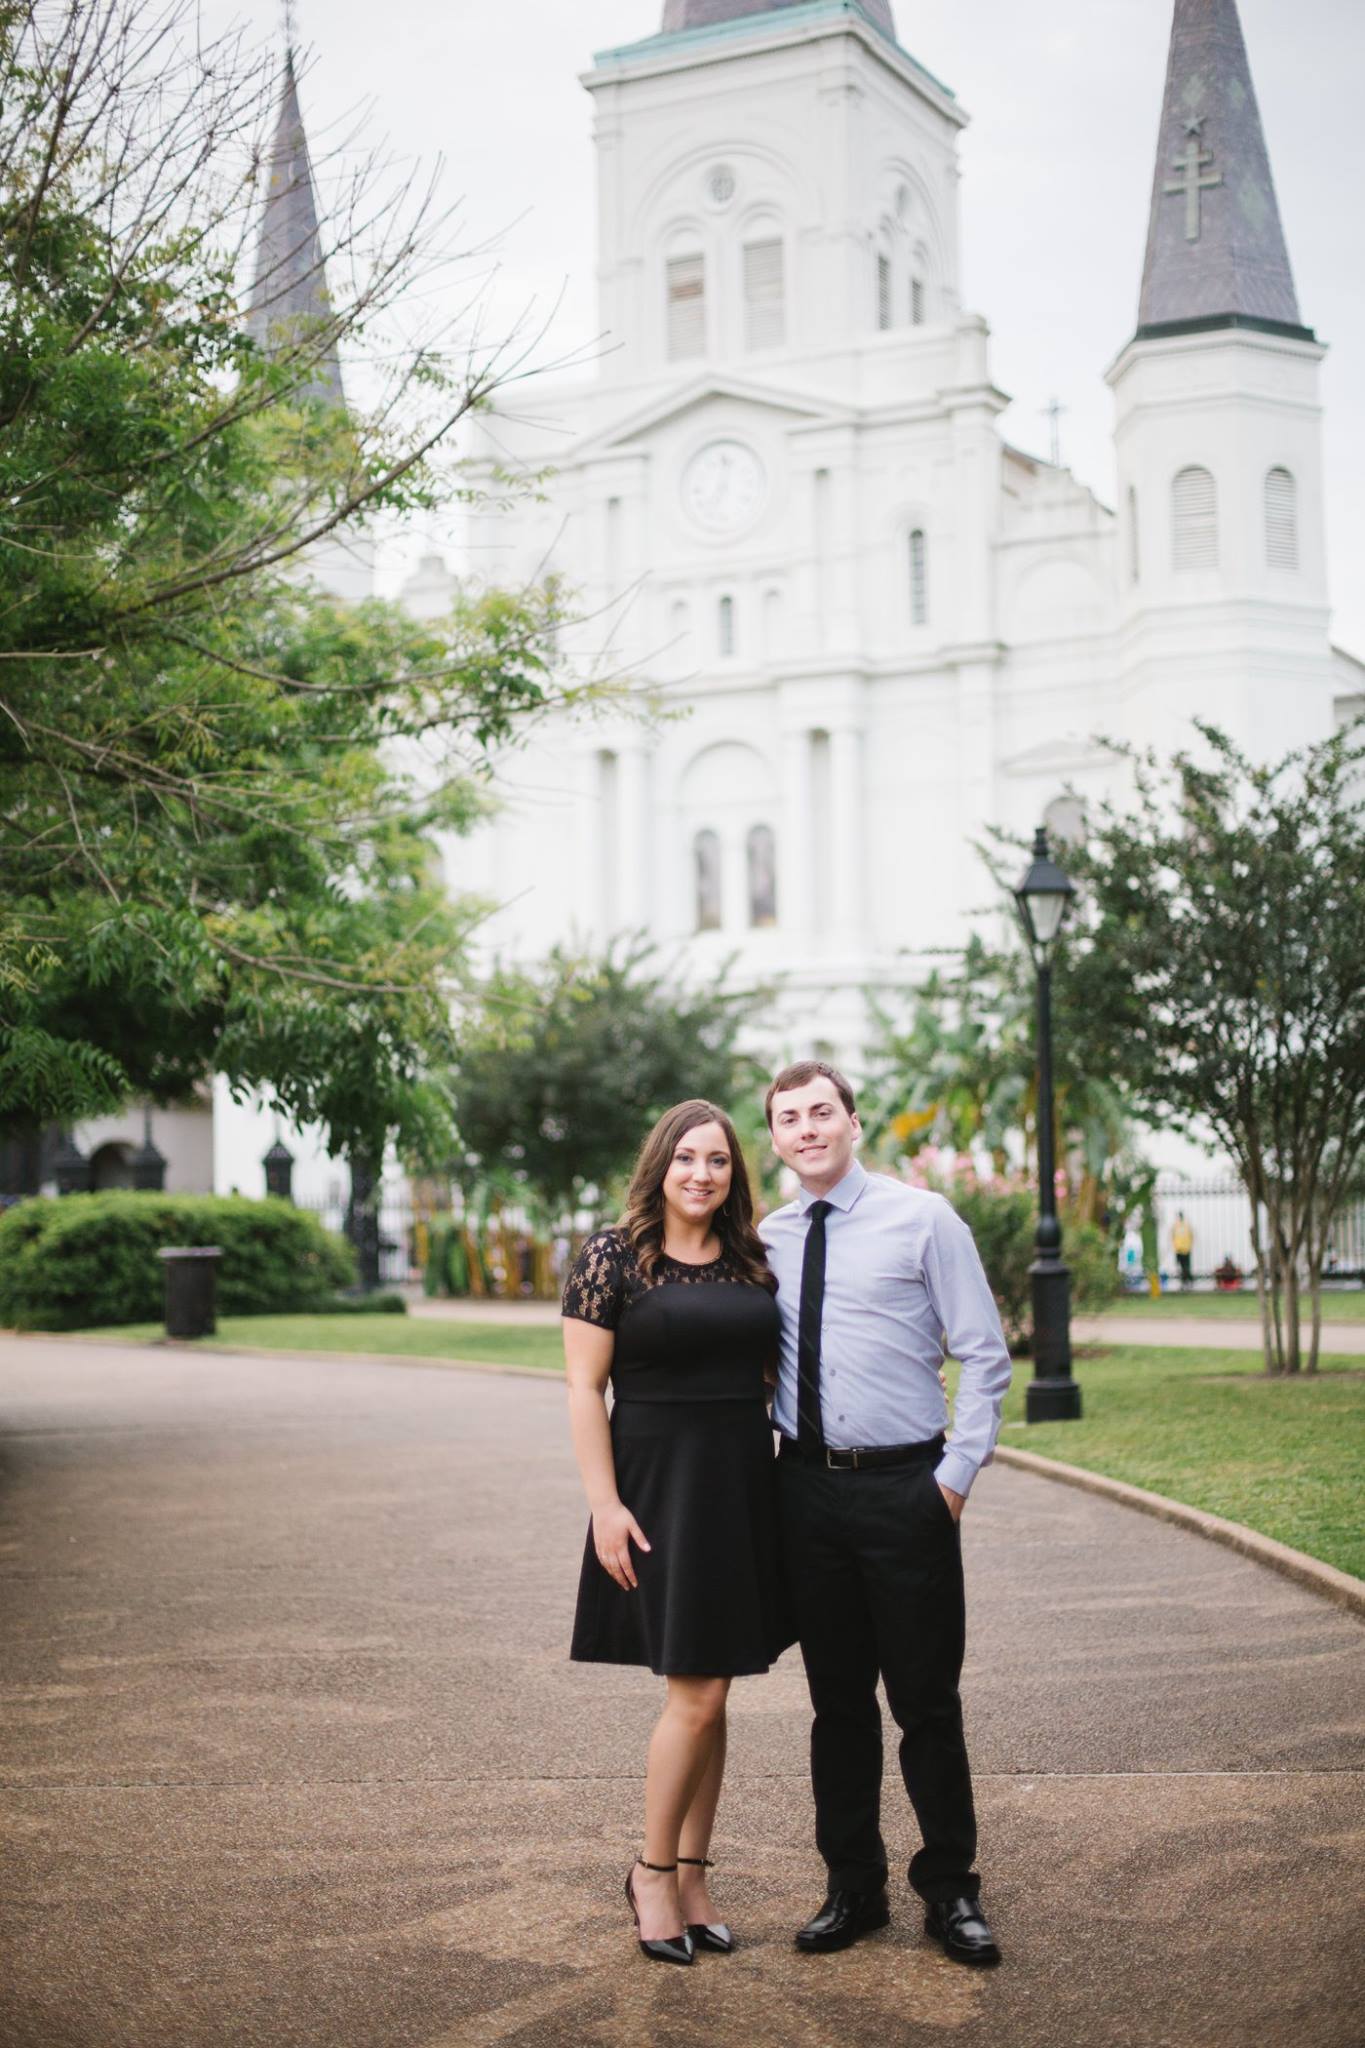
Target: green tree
<point>219,790</point>
<point>1218,966</point>
<point>574,1060</point>
<point>959,1071</point>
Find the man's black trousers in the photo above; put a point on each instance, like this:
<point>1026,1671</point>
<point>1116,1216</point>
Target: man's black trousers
<point>873,1563</point>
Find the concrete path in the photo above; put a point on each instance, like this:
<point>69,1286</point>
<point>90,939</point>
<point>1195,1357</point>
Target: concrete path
<point>1176,1332</point>
<point>292,1754</point>
<point>1200,1333</point>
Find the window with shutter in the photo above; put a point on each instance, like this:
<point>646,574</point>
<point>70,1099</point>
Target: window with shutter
<point>1281,521</point>
<point>919,579</point>
<point>1134,561</point>
<point>706,880</point>
<point>883,291</point>
<point>686,306</point>
<point>917,302</point>
<point>1194,520</point>
<point>725,626</point>
<point>764,309</point>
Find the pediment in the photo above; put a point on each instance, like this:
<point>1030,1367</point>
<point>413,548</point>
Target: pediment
<point>1060,757</point>
<point>704,390</point>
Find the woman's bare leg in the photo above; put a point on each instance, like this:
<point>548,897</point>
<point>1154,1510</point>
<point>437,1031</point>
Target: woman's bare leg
<point>679,1753</point>
<point>695,1838</point>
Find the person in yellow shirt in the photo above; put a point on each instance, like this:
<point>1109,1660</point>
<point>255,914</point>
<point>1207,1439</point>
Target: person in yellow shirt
<point>1182,1244</point>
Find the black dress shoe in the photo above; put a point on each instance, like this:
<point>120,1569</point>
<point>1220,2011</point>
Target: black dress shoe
<point>961,1926</point>
<point>673,1948</point>
<point>843,1919</point>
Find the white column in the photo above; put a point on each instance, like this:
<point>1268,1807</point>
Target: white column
<point>848,893</point>
<point>734,878</point>
<point>976,773</point>
<point>631,853</point>
<point>795,913</point>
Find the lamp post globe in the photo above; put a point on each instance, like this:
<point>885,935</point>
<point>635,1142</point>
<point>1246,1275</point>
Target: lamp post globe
<point>1043,895</point>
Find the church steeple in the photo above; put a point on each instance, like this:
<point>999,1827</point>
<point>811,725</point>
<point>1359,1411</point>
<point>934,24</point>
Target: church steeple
<point>289,292</point>
<point>680,15</point>
<point>1216,253</point>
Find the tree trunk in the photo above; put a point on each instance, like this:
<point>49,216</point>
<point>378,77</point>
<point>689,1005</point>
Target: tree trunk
<point>1291,1313</point>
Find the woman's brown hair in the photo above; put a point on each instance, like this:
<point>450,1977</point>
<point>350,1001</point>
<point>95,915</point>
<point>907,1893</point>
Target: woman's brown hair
<point>733,1222</point>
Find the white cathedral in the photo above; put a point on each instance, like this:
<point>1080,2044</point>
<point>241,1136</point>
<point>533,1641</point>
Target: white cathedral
<point>785,503</point>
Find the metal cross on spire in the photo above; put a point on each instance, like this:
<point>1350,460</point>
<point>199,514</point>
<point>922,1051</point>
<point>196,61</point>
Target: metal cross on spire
<point>1052,412</point>
<point>1193,177</point>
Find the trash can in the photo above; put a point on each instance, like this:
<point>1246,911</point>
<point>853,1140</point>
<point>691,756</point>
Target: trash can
<point>191,1284</point>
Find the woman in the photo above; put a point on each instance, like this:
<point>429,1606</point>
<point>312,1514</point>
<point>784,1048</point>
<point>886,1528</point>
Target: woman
<point>675,1307</point>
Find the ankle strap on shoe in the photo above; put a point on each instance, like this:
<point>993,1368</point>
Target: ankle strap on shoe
<point>699,1862</point>
<point>658,1866</point>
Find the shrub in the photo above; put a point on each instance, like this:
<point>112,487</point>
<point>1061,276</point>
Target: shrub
<point>88,1261</point>
<point>385,1303</point>
<point>1002,1213</point>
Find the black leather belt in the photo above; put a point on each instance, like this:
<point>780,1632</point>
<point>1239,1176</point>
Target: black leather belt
<point>871,1460</point>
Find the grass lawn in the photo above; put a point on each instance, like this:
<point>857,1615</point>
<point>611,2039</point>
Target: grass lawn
<point>1348,1306</point>
<point>399,1336</point>
<point>1286,1457</point>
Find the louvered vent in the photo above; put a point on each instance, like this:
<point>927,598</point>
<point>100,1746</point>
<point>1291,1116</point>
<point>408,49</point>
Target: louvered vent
<point>764,313</point>
<point>883,291</point>
<point>1281,521</point>
<point>686,306</point>
<point>1194,520</point>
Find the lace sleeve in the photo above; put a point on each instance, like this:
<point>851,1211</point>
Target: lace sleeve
<point>593,1292</point>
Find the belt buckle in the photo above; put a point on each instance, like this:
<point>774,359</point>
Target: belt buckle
<point>831,1453</point>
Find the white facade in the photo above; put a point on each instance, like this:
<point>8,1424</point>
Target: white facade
<point>875,628</point>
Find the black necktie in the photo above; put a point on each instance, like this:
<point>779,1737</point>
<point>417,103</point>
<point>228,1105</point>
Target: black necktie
<point>809,1430</point>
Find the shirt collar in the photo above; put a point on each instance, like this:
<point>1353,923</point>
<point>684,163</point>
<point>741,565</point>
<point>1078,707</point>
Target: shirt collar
<point>843,1194</point>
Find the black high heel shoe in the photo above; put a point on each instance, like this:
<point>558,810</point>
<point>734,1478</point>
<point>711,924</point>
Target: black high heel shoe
<point>716,1936</point>
<point>672,1948</point>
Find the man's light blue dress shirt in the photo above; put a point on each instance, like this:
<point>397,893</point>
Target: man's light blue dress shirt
<point>901,1271</point>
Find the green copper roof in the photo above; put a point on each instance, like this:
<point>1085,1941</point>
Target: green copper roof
<point>771,15</point>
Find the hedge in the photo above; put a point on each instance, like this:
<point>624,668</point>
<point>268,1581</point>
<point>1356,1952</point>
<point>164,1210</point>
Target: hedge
<point>90,1261</point>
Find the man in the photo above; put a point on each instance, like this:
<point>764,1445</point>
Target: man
<point>871,1274</point>
<point>1182,1244</point>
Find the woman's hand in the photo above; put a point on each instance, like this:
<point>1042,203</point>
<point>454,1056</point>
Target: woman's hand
<point>614,1529</point>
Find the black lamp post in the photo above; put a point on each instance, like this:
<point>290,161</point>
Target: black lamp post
<point>1044,894</point>
<point>147,1167</point>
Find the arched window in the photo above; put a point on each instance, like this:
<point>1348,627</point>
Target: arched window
<point>1194,520</point>
<point>706,879</point>
<point>919,289</point>
<point>686,289</point>
<point>919,578</point>
<point>772,623</point>
<point>725,626</point>
<point>761,852</point>
<point>1064,822</point>
<point>764,304</point>
<point>1281,520</point>
<point>1133,557</point>
<point>883,290</point>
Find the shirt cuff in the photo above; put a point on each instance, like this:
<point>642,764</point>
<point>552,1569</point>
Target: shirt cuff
<point>956,1471</point>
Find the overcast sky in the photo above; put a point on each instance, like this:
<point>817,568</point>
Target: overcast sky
<point>1064,100</point>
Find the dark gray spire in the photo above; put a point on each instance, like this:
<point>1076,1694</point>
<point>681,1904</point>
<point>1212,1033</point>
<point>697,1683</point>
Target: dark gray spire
<point>289,295</point>
<point>684,14</point>
<point>1215,248</point>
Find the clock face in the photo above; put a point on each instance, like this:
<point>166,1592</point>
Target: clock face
<point>723,486</point>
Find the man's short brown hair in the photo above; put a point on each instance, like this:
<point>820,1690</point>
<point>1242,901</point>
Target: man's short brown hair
<point>798,1074</point>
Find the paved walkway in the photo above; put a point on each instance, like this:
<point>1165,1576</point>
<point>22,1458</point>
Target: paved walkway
<point>1204,1333</point>
<point>292,1756</point>
<point>1176,1332</point>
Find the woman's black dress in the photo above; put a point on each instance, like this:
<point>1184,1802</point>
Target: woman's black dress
<point>694,1464</point>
